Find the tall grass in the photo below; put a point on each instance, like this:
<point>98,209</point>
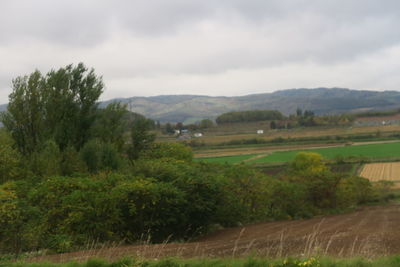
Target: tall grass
<point>393,261</point>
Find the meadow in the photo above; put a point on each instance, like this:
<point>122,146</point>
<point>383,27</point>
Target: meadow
<point>370,151</point>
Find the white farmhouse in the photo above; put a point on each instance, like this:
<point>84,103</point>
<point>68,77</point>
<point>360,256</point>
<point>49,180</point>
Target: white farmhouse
<point>260,131</point>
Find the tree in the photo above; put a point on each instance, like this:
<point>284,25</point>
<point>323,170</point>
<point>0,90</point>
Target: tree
<point>9,159</point>
<point>60,106</point>
<point>308,162</point>
<point>206,123</point>
<point>141,138</point>
<point>299,112</point>
<point>71,96</point>
<point>24,118</point>
<point>111,124</point>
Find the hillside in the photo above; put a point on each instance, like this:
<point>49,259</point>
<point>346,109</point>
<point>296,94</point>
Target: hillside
<point>189,108</point>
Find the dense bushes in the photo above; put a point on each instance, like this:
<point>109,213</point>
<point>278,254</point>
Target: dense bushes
<point>163,196</point>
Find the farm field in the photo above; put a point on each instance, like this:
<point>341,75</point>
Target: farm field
<point>240,131</point>
<point>389,171</point>
<point>370,232</point>
<point>384,150</point>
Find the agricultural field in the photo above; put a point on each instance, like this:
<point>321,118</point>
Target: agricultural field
<point>389,171</point>
<point>369,232</point>
<point>371,151</point>
<point>239,131</point>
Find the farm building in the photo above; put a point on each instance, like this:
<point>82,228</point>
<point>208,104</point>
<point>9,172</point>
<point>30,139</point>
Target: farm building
<point>198,135</point>
<point>260,131</point>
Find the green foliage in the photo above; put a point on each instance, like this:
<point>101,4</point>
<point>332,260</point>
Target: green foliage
<point>141,138</point>
<point>382,190</point>
<point>111,124</point>
<point>47,161</point>
<point>24,118</point>
<point>251,115</point>
<point>9,159</point>
<point>170,150</point>
<point>308,163</point>
<point>70,98</point>
<point>91,155</point>
<point>100,156</point>
<point>206,123</point>
<point>321,184</point>
<point>60,106</point>
<point>352,191</point>
<point>71,162</point>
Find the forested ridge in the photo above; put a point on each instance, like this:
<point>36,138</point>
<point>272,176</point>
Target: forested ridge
<point>72,174</point>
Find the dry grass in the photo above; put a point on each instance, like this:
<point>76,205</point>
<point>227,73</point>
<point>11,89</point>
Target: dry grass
<point>389,171</point>
<point>369,232</point>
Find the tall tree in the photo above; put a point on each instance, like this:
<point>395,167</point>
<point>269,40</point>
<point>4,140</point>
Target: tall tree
<point>60,106</point>
<point>111,124</point>
<point>71,103</point>
<point>24,118</point>
<point>141,138</point>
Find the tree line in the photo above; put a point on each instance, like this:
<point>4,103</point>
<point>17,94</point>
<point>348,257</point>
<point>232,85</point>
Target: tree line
<point>302,118</point>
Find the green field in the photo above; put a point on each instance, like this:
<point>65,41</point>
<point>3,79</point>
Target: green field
<point>373,151</point>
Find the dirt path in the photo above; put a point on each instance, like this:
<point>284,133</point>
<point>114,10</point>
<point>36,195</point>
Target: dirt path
<point>369,232</point>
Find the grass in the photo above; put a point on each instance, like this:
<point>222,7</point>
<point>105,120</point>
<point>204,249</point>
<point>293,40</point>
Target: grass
<point>233,262</point>
<point>227,159</point>
<point>367,151</point>
<point>372,151</point>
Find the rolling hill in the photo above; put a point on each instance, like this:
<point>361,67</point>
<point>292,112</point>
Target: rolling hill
<point>192,108</point>
<point>189,108</point>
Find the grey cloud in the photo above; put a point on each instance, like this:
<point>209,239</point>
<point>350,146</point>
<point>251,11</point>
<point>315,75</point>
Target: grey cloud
<point>146,40</point>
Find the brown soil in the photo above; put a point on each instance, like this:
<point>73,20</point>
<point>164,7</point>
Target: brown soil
<point>369,232</point>
<point>395,117</point>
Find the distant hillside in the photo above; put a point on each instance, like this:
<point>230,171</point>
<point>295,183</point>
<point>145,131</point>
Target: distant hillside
<point>189,108</point>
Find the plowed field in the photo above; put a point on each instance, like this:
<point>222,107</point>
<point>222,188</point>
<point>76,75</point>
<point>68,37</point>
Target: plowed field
<point>369,232</point>
<point>381,171</point>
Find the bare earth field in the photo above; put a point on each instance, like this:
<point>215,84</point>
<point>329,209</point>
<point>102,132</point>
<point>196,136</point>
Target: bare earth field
<point>369,232</point>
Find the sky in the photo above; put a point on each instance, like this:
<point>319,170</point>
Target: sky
<point>206,47</point>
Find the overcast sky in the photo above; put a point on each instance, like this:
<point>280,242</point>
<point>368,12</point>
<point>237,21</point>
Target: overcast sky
<point>210,47</point>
